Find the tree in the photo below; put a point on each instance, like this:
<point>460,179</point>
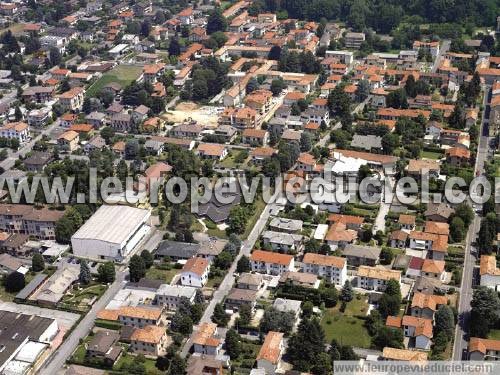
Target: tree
<point>137,268</point>
<point>444,321</point>
<point>14,282</point>
<point>278,321</point>
<point>274,53</point>
<point>55,57</point>
<point>277,85</point>
<point>147,258</point>
<point>457,229</point>
<point>347,293</point>
<point>363,90</point>
<point>305,347</point>
<point>252,85</point>
<point>397,99</point>
<point>243,264</point>
<point>37,263</point>
<point>457,117</point>
<point>223,260</point>
<point>233,343</point>
<point>107,133</point>
<point>390,302</point>
<point>464,212</point>
<point>106,272</point>
<point>177,365</point>
<point>146,28</point>
<point>305,142</point>
<point>181,323</point>
<point>85,276</point>
<point>219,316</point>
<point>216,22</point>
<point>18,115</point>
<point>245,314</point>
<point>387,336</point>
<point>410,88</point>
<point>390,142</point>
<point>174,48</point>
<point>386,256</point>
<point>485,311</point>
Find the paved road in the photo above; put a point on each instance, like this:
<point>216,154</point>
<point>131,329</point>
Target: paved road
<point>460,342</point>
<point>25,148</point>
<point>53,365</point>
<point>229,280</point>
<point>379,223</point>
<point>56,362</point>
<point>445,46</point>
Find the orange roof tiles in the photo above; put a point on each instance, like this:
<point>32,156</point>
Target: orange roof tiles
<point>428,301</point>
<point>149,334</point>
<point>196,265</point>
<point>423,327</point>
<point>324,260</point>
<point>270,257</point>
<point>477,344</point>
<point>271,348</point>
<point>488,266</point>
<point>433,266</point>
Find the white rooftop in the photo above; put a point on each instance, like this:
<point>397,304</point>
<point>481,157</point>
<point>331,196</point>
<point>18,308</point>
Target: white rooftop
<point>31,351</point>
<point>113,224</point>
<point>176,291</point>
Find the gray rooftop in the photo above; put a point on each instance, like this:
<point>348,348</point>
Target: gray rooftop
<point>112,224</point>
<point>369,252</point>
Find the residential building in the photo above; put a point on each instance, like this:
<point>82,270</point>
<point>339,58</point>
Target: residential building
<point>419,329</point>
<point>426,305</point>
<point>251,281</point>
<point>169,296</point>
<point>271,263</point>
<point>489,272</point>
<point>206,340</point>
<point>68,140</point>
<point>103,347</point>
<point>238,297</point>
<point>376,278</point>
<point>212,151</point>
<point>270,353</point>
<point>195,272</point>
<point>358,255</point>
<point>484,349</point>
<point>282,241</point>
<point>72,100</point>
<point>151,340</point>
<point>15,130</point>
<point>354,40</point>
<point>302,279</point>
<point>331,268</point>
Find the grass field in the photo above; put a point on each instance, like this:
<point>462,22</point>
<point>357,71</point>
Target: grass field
<point>122,74</point>
<point>15,28</point>
<point>347,328</point>
<point>431,155</point>
<point>494,334</point>
<point>156,273</point>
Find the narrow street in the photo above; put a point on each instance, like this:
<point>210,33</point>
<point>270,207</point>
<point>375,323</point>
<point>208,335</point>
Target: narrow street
<point>460,339</point>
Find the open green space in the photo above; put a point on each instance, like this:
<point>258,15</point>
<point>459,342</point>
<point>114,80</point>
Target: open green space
<point>347,327</point>
<point>121,74</point>
<point>162,273</point>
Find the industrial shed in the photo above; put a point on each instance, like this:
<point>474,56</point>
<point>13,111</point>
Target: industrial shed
<point>111,233</point>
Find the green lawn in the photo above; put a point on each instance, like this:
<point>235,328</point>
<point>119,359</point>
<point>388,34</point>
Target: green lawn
<point>259,207</point>
<point>494,334</point>
<point>249,351</point>
<point>431,155</point>
<point>9,297</point>
<point>157,273</point>
<point>126,359</point>
<point>78,299</point>
<point>347,328</point>
<point>122,74</point>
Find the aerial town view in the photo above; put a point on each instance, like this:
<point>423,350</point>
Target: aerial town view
<point>251,187</point>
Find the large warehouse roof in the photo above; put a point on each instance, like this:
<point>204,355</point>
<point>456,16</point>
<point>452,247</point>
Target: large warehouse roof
<point>112,224</point>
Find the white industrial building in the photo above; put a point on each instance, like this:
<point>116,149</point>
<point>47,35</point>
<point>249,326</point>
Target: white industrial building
<point>111,233</point>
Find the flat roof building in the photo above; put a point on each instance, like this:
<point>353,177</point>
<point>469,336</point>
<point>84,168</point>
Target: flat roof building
<point>111,233</point>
